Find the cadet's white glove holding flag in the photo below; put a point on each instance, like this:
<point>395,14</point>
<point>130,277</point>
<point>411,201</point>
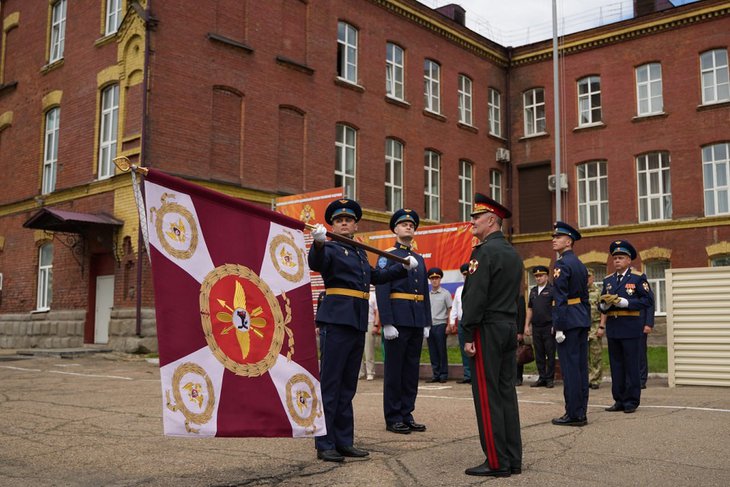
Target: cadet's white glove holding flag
<point>622,303</point>
<point>412,263</point>
<point>390,332</point>
<point>426,331</point>
<point>559,336</point>
<point>319,234</point>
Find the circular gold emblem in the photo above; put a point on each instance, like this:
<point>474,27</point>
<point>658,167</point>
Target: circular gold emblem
<point>288,259</point>
<point>194,395</point>
<point>176,228</point>
<point>302,401</point>
<point>242,320</point>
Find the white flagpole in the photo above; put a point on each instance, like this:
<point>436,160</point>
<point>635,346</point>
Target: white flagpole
<point>556,104</point>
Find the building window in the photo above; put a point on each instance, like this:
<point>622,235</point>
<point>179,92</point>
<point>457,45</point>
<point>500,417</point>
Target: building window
<point>465,99</point>
<point>345,159</point>
<point>431,86</point>
<point>58,30</point>
<point>347,52</point>
<point>655,275</point>
<point>465,189</point>
<point>495,185</point>
<point>108,130</point>
<point>534,103</point>
<point>599,272</point>
<point>714,72</point>
<point>113,16</point>
<point>45,277</point>
<point>649,99</point>
<point>495,112</point>
<point>589,100</point>
<point>592,194</point>
<point>432,185</point>
<point>654,184</point>
<point>716,175</point>
<point>720,261</point>
<point>394,61</point>
<point>393,175</point>
<point>50,150</point>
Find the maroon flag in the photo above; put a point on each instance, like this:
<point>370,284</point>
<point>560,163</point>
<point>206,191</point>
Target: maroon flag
<point>234,317</point>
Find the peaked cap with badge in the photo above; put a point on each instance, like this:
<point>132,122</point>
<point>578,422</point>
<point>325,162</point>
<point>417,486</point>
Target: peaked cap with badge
<point>484,204</point>
<point>404,215</point>
<point>343,206</point>
<point>562,228</point>
<point>464,269</point>
<point>435,272</point>
<point>620,247</point>
<point>539,270</point>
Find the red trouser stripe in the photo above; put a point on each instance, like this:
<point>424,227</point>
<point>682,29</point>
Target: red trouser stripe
<point>484,403</point>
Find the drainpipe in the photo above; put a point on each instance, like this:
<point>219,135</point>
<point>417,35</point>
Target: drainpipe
<point>508,135</point>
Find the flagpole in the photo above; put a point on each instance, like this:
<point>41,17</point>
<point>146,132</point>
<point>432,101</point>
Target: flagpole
<point>366,247</point>
<point>556,104</point>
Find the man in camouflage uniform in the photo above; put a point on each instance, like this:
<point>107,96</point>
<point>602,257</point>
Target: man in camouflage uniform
<point>595,342</point>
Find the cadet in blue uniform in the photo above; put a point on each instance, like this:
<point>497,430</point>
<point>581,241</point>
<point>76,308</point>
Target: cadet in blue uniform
<point>627,301</point>
<point>571,320</point>
<point>343,321</point>
<point>405,313</point>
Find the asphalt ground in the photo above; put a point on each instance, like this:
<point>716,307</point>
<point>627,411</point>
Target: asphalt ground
<point>96,421</point>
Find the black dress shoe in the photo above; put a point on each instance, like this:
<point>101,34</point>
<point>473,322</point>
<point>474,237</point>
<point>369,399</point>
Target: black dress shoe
<point>351,451</point>
<point>413,426</point>
<point>568,421</point>
<point>643,386</point>
<point>400,428</point>
<point>540,383</point>
<point>616,407</point>
<point>443,381</point>
<point>483,470</point>
<point>629,410</point>
<point>330,456</point>
<point>550,384</point>
<point>515,470</point>
<point>595,386</point>
<point>518,383</point>
<point>432,380</point>
<point>464,381</point>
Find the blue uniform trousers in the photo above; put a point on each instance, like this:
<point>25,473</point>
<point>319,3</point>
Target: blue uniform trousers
<point>623,355</point>
<point>402,361</point>
<point>464,356</point>
<point>573,354</point>
<point>341,350</point>
<point>643,365</point>
<point>437,351</point>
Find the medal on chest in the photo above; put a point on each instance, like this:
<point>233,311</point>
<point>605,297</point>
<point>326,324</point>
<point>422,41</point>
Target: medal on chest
<point>630,288</point>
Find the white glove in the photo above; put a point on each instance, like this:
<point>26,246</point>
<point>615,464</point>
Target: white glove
<point>559,336</point>
<point>390,332</point>
<point>603,306</point>
<point>622,303</point>
<point>412,263</point>
<point>426,331</point>
<point>319,234</point>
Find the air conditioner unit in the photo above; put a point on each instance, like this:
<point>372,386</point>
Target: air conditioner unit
<point>563,182</point>
<point>502,155</point>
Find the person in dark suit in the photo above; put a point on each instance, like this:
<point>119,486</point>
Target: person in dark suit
<point>539,324</point>
<point>520,335</point>
<point>571,320</point>
<point>489,317</point>
<point>405,315</point>
<point>343,321</point>
<point>627,302</point>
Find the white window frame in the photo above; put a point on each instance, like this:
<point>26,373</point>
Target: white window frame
<point>495,185</point>
<point>589,101</point>
<point>465,99</point>
<point>108,126</point>
<point>495,112</point>
<point>394,69</point>
<point>655,183</point>
<point>347,52</point>
<point>346,150</point>
<point>592,194</point>
<point>714,75</point>
<point>466,189</point>
<point>658,284</point>
<point>432,85</point>
<point>534,112</point>
<point>52,125</point>
<point>393,174</point>
<point>432,185</point>
<point>649,91</point>
<point>113,16</point>
<point>58,31</point>
<point>716,166</point>
<point>45,277</point>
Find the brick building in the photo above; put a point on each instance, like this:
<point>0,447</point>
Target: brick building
<point>400,104</point>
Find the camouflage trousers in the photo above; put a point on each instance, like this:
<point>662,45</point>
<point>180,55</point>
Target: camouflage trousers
<point>595,360</point>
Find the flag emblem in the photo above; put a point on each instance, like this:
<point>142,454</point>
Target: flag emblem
<point>302,401</point>
<point>176,228</point>
<point>195,401</point>
<point>287,257</point>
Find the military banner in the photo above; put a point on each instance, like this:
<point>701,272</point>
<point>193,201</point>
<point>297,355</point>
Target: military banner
<point>234,317</point>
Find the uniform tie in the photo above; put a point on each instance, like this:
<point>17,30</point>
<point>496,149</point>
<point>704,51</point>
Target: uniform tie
<point>618,279</point>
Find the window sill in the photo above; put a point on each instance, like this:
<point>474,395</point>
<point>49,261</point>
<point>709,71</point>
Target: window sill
<point>434,115</point>
<point>51,66</point>
<point>649,116</point>
<point>534,136</point>
<point>496,137</point>
<point>230,42</point>
<point>589,126</point>
<point>467,127</point>
<point>38,311</point>
<point>712,106</point>
<point>288,63</point>
<point>107,39</point>
<point>397,102</point>
<point>349,85</point>
<point>8,87</point>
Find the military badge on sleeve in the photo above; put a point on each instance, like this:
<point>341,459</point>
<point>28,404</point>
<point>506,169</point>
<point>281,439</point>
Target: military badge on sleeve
<point>382,262</point>
<point>473,264</point>
<point>646,286</point>
<point>556,273</point>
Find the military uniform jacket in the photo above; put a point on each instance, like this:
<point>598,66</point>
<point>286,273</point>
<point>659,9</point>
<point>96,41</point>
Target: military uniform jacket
<point>542,305</point>
<point>492,286</point>
<point>345,266</point>
<point>635,288</point>
<point>571,307</point>
<point>404,312</point>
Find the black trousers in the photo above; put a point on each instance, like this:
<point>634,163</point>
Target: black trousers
<point>543,340</point>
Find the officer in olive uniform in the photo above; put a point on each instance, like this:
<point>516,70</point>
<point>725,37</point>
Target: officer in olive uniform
<point>595,341</point>
<point>571,320</point>
<point>405,313</point>
<point>539,324</point>
<point>489,317</point>
<point>626,299</point>
<point>343,321</point>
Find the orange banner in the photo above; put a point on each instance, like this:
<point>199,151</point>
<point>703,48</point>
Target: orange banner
<point>308,207</point>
